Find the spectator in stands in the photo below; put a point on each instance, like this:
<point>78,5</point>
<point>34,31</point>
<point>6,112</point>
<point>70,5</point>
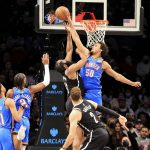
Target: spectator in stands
<point>138,127</point>
<point>143,67</point>
<point>143,140</point>
<point>145,106</point>
<point>123,108</point>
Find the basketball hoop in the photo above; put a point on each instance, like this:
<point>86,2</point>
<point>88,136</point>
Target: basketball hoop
<point>94,34</point>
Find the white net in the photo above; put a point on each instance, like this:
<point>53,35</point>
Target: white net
<point>94,35</point>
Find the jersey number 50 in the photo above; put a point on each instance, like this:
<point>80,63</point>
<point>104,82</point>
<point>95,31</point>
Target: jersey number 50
<point>89,73</point>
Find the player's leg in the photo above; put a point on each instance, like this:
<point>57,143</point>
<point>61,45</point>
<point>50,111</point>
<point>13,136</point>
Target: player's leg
<point>79,137</point>
<point>17,143</point>
<point>96,140</point>
<point>26,138</point>
<point>17,132</point>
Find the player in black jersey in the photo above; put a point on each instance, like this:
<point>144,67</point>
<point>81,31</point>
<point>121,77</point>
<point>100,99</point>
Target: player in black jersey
<point>69,70</point>
<point>84,115</point>
<point>71,79</point>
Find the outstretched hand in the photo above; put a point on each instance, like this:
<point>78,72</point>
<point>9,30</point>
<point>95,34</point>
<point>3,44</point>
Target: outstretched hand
<point>45,59</point>
<point>68,24</point>
<point>137,84</point>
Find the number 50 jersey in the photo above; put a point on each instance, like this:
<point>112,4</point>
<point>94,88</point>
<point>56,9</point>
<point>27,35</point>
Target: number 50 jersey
<point>91,73</point>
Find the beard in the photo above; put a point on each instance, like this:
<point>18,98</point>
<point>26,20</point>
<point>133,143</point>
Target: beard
<point>91,52</point>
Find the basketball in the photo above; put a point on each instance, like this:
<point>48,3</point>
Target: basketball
<point>62,12</point>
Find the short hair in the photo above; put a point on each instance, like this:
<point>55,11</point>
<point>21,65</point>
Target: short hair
<point>104,48</point>
<point>59,66</point>
<point>75,93</point>
<point>19,80</point>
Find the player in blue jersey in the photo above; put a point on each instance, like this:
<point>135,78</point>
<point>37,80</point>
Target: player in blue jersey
<point>7,111</point>
<point>92,71</point>
<point>22,95</point>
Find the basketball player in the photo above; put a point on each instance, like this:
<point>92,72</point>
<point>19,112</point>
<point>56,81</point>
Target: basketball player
<point>84,115</point>
<point>71,79</point>
<point>92,71</point>
<point>22,95</point>
<point>69,70</point>
<point>7,111</point>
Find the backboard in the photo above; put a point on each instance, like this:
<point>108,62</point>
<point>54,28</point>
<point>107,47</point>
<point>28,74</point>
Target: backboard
<point>125,17</point>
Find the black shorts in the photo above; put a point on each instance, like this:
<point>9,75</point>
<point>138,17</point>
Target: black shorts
<point>69,106</point>
<point>96,140</point>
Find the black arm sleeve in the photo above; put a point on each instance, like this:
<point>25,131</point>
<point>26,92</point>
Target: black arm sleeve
<point>107,110</point>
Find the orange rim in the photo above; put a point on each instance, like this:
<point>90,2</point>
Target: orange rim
<point>98,22</point>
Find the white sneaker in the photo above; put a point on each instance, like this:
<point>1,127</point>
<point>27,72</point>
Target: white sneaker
<point>21,133</point>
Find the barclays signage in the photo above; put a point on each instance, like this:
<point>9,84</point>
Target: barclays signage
<point>54,133</point>
<point>54,90</point>
<point>54,112</point>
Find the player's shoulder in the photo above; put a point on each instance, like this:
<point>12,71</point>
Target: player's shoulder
<point>75,114</point>
<point>10,93</point>
<point>105,64</point>
<point>8,102</point>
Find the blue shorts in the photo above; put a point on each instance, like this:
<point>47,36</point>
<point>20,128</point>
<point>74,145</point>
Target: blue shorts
<point>6,142</point>
<point>94,95</point>
<point>25,122</point>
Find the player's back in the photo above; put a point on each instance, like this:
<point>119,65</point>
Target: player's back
<point>89,120</point>
<point>70,83</point>
<point>91,73</point>
<point>22,97</point>
<point>5,127</point>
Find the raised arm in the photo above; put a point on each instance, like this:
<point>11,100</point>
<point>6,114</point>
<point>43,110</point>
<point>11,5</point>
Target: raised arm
<point>69,47</point>
<point>117,76</point>
<point>77,66</point>
<point>103,109</point>
<point>76,38</point>
<point>40,86</point>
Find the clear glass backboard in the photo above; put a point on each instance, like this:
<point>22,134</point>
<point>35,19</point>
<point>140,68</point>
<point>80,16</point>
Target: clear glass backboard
<point>124,17</point>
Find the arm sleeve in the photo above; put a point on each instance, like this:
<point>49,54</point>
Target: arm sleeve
<point>46,75</point>
<point>107,110</point>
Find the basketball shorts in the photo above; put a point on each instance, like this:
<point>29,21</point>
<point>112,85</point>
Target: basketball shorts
<point>25,122</point>
<point>96,140</point>
<point>6,142</point>
<point>94,95</point>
